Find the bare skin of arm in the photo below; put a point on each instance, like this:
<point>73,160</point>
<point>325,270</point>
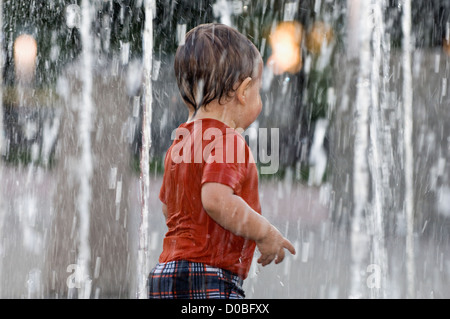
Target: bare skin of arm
<point>234,214</point>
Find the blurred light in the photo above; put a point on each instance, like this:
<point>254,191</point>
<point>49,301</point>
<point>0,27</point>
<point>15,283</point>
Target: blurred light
<point>25,52</point>
<point>446,46</point>
<point>320,35</point>
<point>286,48</point>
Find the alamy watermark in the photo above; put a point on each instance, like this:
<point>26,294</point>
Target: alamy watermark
<point>374,279</point>
<point>266,153</point>
<point>77,277</point>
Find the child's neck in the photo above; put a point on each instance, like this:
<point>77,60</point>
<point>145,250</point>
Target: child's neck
<point>221,112</point>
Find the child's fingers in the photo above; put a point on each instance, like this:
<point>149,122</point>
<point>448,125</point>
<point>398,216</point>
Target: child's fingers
<point>288,245</point>
<point>266,259</point>
<point>285,245</point>
<point>280,256</point>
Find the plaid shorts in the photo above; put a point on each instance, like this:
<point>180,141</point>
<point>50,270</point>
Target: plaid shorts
<point>189,280</point>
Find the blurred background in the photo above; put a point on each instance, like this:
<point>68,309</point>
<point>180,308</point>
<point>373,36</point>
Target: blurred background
<point>358,90</point>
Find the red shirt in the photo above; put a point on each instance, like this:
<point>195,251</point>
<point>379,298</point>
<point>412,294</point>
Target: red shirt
<point>206,151</point>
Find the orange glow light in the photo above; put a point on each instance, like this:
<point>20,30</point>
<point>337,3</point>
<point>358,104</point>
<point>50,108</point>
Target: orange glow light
<point>320,34</point>
<point>286,48</point>
<point>446,46</point>
<point>25,52</point>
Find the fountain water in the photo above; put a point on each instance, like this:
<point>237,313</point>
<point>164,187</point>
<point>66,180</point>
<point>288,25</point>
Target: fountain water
<point>388,190</point>
<point>366,112</point>
<point>86,111</point>
<point>144,266</point>
<point>407,94</point>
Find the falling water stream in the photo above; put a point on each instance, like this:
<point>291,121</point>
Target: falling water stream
<point>368,235</point>
<point>86,110</point>
<point>407,94</point>
<point>359,233</point>
<point>143,264</point>
<point>378,156</point>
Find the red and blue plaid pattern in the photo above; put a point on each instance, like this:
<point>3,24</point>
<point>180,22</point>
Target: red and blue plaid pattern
<point>189,280</point>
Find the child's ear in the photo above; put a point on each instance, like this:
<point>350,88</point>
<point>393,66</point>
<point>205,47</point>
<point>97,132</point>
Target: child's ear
<point>242,90</point>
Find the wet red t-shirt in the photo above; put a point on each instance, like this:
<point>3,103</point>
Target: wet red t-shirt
<point>206,151</point>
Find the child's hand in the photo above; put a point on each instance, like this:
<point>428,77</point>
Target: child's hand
<point>272,246</point>
<point>234,214</point>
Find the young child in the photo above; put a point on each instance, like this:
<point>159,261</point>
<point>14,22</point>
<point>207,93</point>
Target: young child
<point>210,186</point>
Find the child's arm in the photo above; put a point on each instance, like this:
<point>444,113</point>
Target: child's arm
<point>234,214</point>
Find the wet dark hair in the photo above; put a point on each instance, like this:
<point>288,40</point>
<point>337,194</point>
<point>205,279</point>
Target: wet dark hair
<point>212,60</point>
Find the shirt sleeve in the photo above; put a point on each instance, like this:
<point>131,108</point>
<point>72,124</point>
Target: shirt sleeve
<point>223,167</point>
